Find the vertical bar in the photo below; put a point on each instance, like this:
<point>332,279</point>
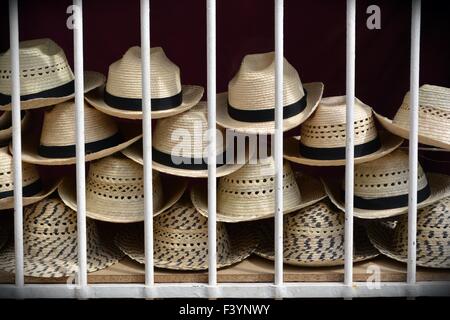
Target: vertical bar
<point>413,139</point>
<point>211,95</point>
<point>349,160</point>
<point>17,140</point>
<point>147,141</point>
<point>278,145</point>
<point>80,161</point>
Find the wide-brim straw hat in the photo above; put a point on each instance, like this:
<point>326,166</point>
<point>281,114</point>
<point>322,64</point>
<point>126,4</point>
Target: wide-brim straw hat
<point>122,95</point>
<point>433,229</point>
<point>181,240</point>
<point>6,126</point>
<point>57,142</point>
<point>50,243</point>
<point>434,117</point>
<point>45,77</point>
<point>314,237</point>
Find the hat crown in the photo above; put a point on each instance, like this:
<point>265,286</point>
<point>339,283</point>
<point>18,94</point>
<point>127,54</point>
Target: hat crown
<point>252,88</point>
<point>327,126</point>
<point>30,173</point>
<point>125,75</point>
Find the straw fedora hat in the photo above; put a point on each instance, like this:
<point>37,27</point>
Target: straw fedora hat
<point>381,187</point>
<point>50,243</point>
<point>180,146</point>
<point>313,237</point>
<point>33,189</point>
<point>322,137</point>
<point>249,104</point>
<point>181,240</point>
<point>249,193</point>
<point>6,126</point>
<point>45,77</point>
<point>115,191</point>
<point>122,96</point>
<point>58,136</point>
<point>433,228</point>
<point>434,117</point>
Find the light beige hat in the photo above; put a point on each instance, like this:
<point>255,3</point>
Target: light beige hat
<point>181,240</point>
<point>180,146</point>
<point>57,141</point>
<point>50,243</point>
<point>249,193</point>
<point>381,187</point>
<point>6,126</point>
<point>322,137</point>
<point>122,96</point>
<point>314,237</point>
<point>45,78</point>
<point>434,117</point>
<point>433,230</point>
<point>33,188</point>
<point>115,190</point>
<point>249,104</point>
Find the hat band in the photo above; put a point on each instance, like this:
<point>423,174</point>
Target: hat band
<point>178,162</point>
<point>338,153</point>
<point>392,202</point>
<point>265,115</point>
<point>61,91</point>
<point>132,104</point>
<point>27,191</point>
<point>69,151</point>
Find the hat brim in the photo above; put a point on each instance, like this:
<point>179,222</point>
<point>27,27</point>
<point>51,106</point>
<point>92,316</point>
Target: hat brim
<point>314,94</point>
<point>394,128</point>
<point>173,189</point>
<point>389,143</point>
<point>439,187</point>
<point>191,96</point>
<point>8,202</point>
<point>6,134</point>
<point>311,191</point>
<point>92,80</point>
<point>243,243</point>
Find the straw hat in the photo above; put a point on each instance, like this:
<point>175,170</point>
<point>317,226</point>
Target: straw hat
<point>6,126</point>
<point>322,137</point>
<point>313,237</point>
<point>115,191</point>
<point>50,243</point>
<point>248,194</point>
<point>381,187</point>
<point>433,228</point>
<point>45,78</point>
<point>180,146</point>
<point>58,136</point>
<point>434,117</point>
<point>181,240</point>
<point>33,188</point>
<point>249,104</point>
<point>122,96</point>
<point>4,236</point>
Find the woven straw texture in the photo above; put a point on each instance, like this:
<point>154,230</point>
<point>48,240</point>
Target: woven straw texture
<point>314,236</point>
<point>181,240</point>
<point>434,117</point>
<point>433,229</point>
<point>50,243</point>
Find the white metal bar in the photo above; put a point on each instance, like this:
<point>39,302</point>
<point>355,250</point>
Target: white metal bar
<point>413,139</point>
<point>147,141</point>
<point>349,160</point>
<point>17,140</point>
<point>278,144</point>
<point>80,152</point>
<point>211,95</point>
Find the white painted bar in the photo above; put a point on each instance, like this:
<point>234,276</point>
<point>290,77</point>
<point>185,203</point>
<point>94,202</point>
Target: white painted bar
<point>147,141</point>
<point>17,140</point>
<point>80,152</point>
<point>278,142</point>
<point>349,160</point>
<point>211,96</point>
<point>413,139</point>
